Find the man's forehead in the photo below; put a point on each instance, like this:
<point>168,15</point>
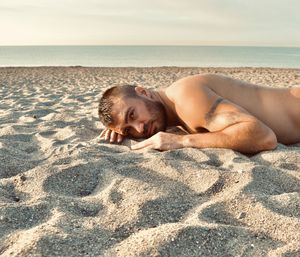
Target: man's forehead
<point>118,120</point>
<point>118,113</point>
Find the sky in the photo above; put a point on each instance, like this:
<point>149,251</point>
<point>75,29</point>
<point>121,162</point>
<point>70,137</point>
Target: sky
<point>152,22</point>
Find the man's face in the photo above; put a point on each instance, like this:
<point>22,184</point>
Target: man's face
<point>138,117</point>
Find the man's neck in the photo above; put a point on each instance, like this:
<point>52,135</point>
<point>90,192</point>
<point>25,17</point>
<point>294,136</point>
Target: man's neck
<point>172,118</point>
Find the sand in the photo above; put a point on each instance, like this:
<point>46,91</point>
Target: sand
<point>64,192</point>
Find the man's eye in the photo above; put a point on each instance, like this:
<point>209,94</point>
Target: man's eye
<point>131,115</point>
<point>126,131</point>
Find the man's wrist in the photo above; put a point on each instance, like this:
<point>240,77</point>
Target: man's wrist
<point>186,141</point>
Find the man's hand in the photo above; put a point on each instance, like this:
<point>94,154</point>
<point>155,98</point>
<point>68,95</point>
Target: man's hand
<point>112,136</point>
<point>161,141</point>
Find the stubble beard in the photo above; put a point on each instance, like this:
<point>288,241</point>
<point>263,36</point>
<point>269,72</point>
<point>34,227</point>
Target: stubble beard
<point>159,114</point>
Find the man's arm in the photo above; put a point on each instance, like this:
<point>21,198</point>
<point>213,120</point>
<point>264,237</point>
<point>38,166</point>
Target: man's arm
<point>245,137</point>
<point>229,125</point>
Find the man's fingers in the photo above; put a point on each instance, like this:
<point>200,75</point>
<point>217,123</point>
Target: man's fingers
<point>107,134</point>
<point>119,138</point>
<point>103,133</point>
<point>113,136</point>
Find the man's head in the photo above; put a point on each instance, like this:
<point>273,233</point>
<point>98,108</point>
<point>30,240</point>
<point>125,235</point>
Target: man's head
<point>132,111</point>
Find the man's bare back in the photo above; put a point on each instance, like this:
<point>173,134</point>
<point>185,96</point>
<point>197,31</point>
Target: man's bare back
<point>216,110</point>
<point>278,108</point>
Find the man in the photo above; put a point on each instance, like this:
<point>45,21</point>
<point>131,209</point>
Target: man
<point>215,110</point>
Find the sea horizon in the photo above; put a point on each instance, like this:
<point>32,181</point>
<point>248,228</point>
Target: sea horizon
<point>150,56</point>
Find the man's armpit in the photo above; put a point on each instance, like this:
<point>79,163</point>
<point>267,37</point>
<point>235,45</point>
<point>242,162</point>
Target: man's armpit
<point>209,115</point>
<point>220,121</point>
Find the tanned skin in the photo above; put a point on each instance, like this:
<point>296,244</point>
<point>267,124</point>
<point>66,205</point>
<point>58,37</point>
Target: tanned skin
<point>215,110</point>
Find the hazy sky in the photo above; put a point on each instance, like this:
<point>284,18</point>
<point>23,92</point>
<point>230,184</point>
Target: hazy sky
<point>153,22</point>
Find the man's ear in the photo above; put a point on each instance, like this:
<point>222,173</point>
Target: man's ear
<point>142,91</point>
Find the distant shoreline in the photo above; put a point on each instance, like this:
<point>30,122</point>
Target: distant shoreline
<point>148,67</point>
<point>150,56</point>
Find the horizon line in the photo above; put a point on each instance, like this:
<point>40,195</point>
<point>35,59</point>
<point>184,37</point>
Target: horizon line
<point>286,46</point>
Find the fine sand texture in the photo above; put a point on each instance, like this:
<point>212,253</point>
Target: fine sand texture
<point>65,192</point>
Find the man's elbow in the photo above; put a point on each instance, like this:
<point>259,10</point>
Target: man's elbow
<point>270,141</point>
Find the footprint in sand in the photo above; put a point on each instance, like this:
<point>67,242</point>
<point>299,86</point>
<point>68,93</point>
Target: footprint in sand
<point>77,181</point>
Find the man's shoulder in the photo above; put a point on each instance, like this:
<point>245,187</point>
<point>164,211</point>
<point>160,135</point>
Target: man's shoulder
<point>186,86</point>
<point>192,98</point>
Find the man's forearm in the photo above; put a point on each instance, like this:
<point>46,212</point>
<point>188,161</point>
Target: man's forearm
<point>245,138</point>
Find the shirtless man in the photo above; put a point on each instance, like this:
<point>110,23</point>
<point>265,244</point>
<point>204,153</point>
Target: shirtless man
<point>215,110</point>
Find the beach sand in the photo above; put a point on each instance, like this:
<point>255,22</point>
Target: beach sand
<point>64,192</point>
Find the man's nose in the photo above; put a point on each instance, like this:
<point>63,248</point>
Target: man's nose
<point>139,127</point>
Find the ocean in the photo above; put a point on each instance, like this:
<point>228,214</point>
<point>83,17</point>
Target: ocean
<point>150,56</point>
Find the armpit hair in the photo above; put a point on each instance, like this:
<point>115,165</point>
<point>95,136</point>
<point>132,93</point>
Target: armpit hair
<point>209,115</point>
<point>223,120</point>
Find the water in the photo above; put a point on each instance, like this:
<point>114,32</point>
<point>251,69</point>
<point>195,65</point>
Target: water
<point>150,56</point>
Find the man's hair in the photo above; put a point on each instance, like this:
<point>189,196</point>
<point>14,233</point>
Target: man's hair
<point>108,99</point>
